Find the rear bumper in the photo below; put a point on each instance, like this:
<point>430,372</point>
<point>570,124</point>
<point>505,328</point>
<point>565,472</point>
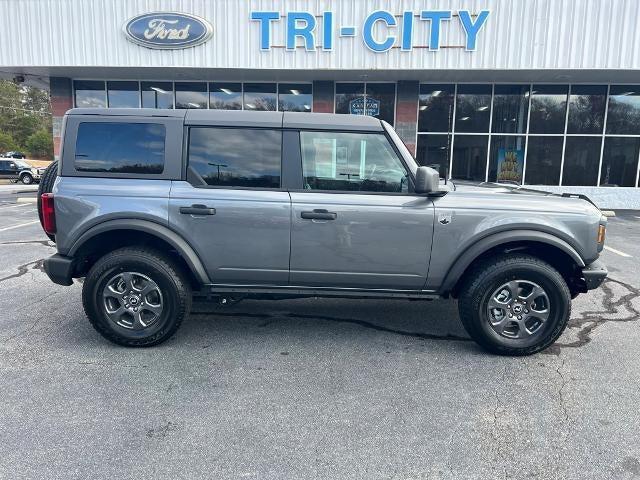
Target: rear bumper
<point>59,269</point>
<point>594,274</point>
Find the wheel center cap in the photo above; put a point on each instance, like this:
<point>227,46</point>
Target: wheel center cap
<point>517,308</point>
<point>134,300</point>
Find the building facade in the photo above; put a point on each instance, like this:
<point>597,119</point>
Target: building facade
<point>531,92</point>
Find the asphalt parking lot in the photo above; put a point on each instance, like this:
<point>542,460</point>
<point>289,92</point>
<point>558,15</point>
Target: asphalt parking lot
<point>314,388</point>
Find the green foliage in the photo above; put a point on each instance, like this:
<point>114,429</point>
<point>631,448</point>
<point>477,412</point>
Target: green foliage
<point>7,143</point>
<point>40,144</point>
<point>25,116</point>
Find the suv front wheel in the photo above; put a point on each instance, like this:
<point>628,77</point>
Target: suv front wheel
<point>514,305</point>
<point>136,297</point>
<point>26,179</point>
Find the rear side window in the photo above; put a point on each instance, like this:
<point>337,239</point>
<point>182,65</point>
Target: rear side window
<point>236,157</point>
<point>110,147</point>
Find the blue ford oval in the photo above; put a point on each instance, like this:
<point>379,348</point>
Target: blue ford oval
<point>167,30</point>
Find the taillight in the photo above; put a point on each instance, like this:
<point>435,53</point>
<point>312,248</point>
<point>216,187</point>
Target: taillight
<point>48,213</point>
<point>601,234</point>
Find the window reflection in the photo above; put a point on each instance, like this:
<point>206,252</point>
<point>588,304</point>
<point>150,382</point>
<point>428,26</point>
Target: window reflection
<point>191,95</point>
<point>260,96</point>
<point>586,108</point>
<point>382,97</point>
<point>90,94</point>
<point>581,161</point>
<point>470,157</point>
<point>346,93</point>
<point>510,109</point>
<point>435,110</point>
<point>624,110</point>
<point>225,95</point>
<point>294,97</point>
<point>620,162</point>
<point>435,151</point>
<point>473,108</point>
<point>157,94</point>
<point>123,94</point>
<point>548,108</point>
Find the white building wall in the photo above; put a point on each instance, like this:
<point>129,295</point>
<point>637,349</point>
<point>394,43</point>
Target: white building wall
<point>520,34</point>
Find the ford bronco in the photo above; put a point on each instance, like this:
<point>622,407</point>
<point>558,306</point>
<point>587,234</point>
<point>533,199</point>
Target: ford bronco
<point>152,207</point>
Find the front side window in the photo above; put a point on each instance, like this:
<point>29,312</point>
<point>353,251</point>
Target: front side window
<point>236,157</point>
<point>351,162</point>
<point>110,147</point>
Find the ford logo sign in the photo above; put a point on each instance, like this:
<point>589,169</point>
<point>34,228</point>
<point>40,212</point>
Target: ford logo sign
<point>167,30</point>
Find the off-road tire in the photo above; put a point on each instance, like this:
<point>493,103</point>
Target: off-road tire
<point>171,279</point>
<point>489,275</point>
<point>46,186</point>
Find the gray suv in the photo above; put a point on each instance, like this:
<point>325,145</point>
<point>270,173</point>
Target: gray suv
<point>155,206</point>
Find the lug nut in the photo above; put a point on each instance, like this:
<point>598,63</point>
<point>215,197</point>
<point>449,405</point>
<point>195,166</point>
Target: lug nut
<point>510,315</point>
<point>519,317</point>
<point>526,311</point>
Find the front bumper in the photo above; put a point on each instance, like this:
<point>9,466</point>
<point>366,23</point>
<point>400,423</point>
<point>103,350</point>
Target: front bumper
<point>594,274</point>
<point>59,269</point>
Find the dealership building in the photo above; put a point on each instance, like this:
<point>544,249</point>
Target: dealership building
<point>542,93</point>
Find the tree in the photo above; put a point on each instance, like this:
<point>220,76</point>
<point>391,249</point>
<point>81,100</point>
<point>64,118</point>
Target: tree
<point>7,143</point>
<point>40,144</point>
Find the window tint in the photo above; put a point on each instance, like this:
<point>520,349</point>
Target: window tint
<point>351,162</point>
<point>548,108</point>
<point>581,161</point>
<point>624,110</point>
<point>90,93</point>
<point>260,96</point>
<point>586,108</point>
<point>474,108</point>
<point>294,97</point>
<point>510,108</point>
<point>120,147</point>
<point>191,95</point>
<point>157,94</point>
<point>236,157</point>
<point>434,151</point>
<point>544,156</point>
<point>435,113</point>
<point>620,161</point>
<point>470,157</point>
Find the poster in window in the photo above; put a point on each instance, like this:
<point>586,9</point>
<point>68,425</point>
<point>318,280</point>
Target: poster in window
<point>510,161</point>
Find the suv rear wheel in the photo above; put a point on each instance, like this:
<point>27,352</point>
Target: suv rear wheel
<point>136,297</point>
<point>515,305</point>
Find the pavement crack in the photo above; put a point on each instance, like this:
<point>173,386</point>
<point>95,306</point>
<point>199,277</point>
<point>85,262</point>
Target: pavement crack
<point>24,269</point>
<point>588,321</point>
<point>563,384</point>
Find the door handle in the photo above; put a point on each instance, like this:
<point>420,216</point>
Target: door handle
<point>198,209</point>
<point>319,214</point>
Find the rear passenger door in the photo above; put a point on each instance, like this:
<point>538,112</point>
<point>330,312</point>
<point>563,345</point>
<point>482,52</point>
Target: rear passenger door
<point>231,208</point>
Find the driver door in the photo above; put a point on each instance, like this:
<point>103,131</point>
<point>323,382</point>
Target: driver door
<point>355,223</point>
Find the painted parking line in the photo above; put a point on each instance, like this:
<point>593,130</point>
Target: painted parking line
<point>617,252</point>
<point>19,225</point>
<point>14,206</point>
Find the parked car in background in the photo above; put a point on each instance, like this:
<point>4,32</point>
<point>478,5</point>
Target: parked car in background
<point>19,171</point>
<point>19,155</point>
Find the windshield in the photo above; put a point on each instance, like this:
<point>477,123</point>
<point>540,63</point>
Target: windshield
<point>22,164</point>
<point>404,151</point>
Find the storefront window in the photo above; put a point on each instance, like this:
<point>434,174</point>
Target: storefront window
<point>435,111</point>
<point>382,96</point>
<point>473,108</point>
<point>260,96</point>
<point>123,94</point>
<point>225,96</point>
<point>506,159</point>
<point>191,95</point>
<point>90,93</point>
<point>294,97</point>
<point>435,151</point>
<point>346,93</point>
<point>470,157</point>
<point>623,117</point>
<point>510,109</point>
<point>586,108</point>
<point>581,161</point>
<point>544,157</point>
<point>157,94</point>
<point>548,108</point>
<point>620,162</point>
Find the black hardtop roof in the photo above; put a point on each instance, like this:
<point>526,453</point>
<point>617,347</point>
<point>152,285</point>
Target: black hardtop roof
<point>303,120</point>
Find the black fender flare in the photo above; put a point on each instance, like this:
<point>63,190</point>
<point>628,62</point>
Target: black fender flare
<point>157,230</point>
<point>484,244</point>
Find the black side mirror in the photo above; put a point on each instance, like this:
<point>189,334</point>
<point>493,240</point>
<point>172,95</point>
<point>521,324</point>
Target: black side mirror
<point>427,180</point>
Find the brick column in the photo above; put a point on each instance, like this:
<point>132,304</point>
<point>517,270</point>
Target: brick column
<point>61,95</point>
<point>323,96</point>
<point>407,113</point>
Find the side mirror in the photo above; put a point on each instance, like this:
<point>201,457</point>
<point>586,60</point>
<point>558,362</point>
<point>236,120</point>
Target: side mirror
<point>427,180</point>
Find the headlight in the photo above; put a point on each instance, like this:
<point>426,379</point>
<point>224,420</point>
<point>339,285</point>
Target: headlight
<point>34,171</point>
